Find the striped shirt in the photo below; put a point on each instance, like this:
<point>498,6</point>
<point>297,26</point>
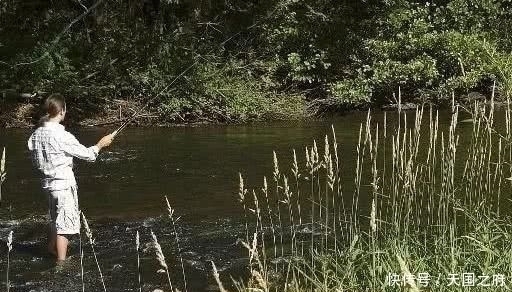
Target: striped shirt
<point>52,149</point>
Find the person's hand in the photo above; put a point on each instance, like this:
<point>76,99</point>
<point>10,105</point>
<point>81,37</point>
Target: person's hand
<point>106,140</point>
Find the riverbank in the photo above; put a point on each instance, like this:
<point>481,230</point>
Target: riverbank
<point>23,111</point>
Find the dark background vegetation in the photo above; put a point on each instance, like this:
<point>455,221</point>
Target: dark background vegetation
<point>272,59</point>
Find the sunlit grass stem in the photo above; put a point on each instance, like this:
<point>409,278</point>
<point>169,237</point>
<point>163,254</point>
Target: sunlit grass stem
<point>89,235</point>
<point>170,213</point>
<point>9,249</point>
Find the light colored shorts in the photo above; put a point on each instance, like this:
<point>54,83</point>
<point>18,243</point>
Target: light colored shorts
<point>64,211</point>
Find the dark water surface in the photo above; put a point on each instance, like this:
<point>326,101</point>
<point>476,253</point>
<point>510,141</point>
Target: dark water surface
<point>196,167</point>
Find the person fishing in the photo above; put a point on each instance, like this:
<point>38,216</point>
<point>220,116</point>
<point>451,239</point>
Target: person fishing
<point>52,150</point>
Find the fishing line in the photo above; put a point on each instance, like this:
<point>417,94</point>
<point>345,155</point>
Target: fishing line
<point>135,114</point>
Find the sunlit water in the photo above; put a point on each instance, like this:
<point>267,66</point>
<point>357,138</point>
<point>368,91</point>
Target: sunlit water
<point>123,192</point>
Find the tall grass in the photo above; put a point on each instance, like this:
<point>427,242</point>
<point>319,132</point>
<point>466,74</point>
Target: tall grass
<point>170,211</point>
<point>9,248</point>
<point>161,258</point>
<point>89,235</point>
<point>421,205</point>
<point>137,248</point>
<point>3,173</point>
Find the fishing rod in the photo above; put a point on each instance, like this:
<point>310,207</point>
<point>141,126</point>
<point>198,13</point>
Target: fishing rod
<point>136,113</point>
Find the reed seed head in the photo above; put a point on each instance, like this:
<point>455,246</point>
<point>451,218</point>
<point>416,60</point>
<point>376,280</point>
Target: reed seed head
<point>327,154</point>
<point>276,167</point>
<point>158,251</point>
<point>169,209</point>
<point>295,169</point>
<point>137,241</point>
<point>256,203</point>
<point>313,161</point>
<point>253,250</point>
<point>287,192</point>
<point>9,240</point>
<point>330,174</point>
<point>241,191</point>
<point>88,231</point>
<point>2,162</point>
<point>217,278</point>
<point>254,240</point>
<point>314,157</point>
<point>308,159</point>
<point>373,221</point>
<point>259,279</point>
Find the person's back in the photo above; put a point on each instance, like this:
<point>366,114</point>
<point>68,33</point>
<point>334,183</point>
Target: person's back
<point>53,149</point>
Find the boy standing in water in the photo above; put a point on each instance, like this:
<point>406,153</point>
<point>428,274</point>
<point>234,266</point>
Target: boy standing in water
<point>52,149</point>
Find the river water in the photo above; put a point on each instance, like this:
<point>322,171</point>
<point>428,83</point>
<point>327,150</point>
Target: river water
<point>123,192</point>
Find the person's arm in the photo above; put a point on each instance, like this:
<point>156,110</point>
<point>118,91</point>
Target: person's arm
<point>30,143</point>
<point>70,145</point>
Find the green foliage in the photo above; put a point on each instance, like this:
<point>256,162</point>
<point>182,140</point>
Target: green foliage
<point>228,95</point>
<point>351,92</point>
<point>336,54</point>
<point>429,49</point>
<point>501,67</point>
<point>303,38</point>
<point>432,48</point>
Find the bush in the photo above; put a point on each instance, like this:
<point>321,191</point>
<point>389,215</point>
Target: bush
<point>351,92</point>
<point>229,95</point>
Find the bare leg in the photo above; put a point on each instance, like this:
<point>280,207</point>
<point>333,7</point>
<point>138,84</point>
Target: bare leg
<point>62,247</point>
